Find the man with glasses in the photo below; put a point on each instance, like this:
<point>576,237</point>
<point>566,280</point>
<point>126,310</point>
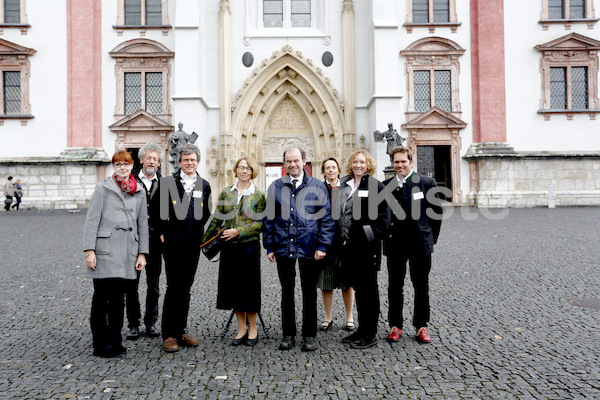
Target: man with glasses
<point>185,205</point>
<point>150,156</point>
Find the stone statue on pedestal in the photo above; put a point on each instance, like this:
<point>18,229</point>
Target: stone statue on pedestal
<point>176,140</point>
<point>393,139</point>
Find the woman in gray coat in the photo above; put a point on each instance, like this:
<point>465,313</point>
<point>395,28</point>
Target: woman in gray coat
<point>115,241</point>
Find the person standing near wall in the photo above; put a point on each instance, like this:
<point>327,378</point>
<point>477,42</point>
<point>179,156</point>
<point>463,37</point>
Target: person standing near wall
<point>9,192</point>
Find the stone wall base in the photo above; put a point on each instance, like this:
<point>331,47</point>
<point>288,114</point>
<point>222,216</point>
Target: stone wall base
<point>54,183</point>
<point>535,180</point>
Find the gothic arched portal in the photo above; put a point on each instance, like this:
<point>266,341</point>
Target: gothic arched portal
<point>287,101</point>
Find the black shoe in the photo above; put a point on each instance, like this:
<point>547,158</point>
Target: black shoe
<point>364,343</point>
<point>134,333</point>
<point>251,342</point>
<point>110,351</point>
<point>237,342</point>
<point>151,331</point>
<point>287,343</point>
<point>325,325</point>
<point>353,337</point>
<point>309,344</point>
<point>119,349</point>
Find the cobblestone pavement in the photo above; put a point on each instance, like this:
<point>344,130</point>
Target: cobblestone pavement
<point>503,323</point>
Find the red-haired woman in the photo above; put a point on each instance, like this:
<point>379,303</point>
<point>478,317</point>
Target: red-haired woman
<point>115,242</point>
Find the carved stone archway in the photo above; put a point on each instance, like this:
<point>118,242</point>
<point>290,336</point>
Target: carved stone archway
<point>286,101</point>
<point>438,128</point>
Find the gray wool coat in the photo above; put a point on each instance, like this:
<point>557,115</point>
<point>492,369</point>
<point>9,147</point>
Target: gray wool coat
<point>116,228</point>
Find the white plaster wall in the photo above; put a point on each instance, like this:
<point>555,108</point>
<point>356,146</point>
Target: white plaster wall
<point>44,135</point>
<point>262,43</point>
<point>526,129</point>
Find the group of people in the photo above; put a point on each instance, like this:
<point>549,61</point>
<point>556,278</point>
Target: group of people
<point>12,190</point>
<point>334,230</point>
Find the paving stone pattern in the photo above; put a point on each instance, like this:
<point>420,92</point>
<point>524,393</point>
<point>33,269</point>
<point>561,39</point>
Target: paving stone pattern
<point>502,324</point>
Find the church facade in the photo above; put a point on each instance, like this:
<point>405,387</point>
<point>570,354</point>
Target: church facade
<point>498,102</point>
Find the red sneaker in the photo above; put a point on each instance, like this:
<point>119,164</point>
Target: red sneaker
<point>423,335</point>
<point>394,335</point>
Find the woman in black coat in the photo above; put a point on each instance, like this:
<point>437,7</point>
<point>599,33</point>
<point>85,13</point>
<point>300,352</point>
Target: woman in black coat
<point>361,242</point>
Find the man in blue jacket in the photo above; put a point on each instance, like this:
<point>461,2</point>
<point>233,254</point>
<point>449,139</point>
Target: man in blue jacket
<point>298,226</point>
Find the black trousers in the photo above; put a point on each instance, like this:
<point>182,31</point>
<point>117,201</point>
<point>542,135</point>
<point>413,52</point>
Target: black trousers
<point>420,265</point>
<point>106,319</point>
<point>7,205</point>
<point>181,262</point>
<point>132,301</point>
<point>363,278</point>
<point>309,273</point>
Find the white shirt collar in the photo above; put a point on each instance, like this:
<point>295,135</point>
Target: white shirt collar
<point>250,190</point>
<point>147,181</point>
<point>300,179</point>
<point>351,184</point>
<point>188,182</point>
<point>402,181</point>
<point>337,184</point>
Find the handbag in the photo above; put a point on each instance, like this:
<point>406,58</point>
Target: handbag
<point>8,201</point>
<point>212,246</point>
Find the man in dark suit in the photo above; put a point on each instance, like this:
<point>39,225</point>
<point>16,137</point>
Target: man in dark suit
<point>185,206</point>
<point>413,232</point>
<point>150,156</point>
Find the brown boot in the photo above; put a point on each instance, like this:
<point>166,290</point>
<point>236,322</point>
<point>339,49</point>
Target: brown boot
<point>170,345</point>
<point>187,340</point>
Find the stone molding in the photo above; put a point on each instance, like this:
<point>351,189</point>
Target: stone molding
<point>142,55</point>
<point>14,57</point>
<point>438,128</point>
<point>120,23</point>
<point>572,50</point>
<point>589,19</point>
<point>140,128</point>
<point>452,23</point>
<point>430,54</point>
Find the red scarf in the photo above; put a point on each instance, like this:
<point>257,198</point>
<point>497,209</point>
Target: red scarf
<point>129,186</point>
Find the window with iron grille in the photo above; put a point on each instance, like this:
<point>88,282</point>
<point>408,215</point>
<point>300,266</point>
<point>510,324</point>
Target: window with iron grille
<point>12,11</point>
<point>568,88</point>
<point>291,13</point>
<point>11,88</point>
<point>440,11</point>
<point>143,12</point>
<point>441,87</point>
<point>147,96</point>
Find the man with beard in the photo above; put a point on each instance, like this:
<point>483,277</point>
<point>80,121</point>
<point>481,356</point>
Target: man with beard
<point>151,156</point>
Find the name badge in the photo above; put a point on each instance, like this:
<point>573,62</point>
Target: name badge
<point>418,196</point>
<point>197,193</point>
<point>363,193</point>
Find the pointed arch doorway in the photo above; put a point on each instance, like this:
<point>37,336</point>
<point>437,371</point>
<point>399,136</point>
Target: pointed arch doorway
<point>286,102</point>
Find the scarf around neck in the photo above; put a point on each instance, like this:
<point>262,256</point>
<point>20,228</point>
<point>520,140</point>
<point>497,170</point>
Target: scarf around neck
<point>129,186</point>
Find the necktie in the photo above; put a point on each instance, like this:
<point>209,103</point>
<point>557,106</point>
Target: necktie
<point>294,183</point>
